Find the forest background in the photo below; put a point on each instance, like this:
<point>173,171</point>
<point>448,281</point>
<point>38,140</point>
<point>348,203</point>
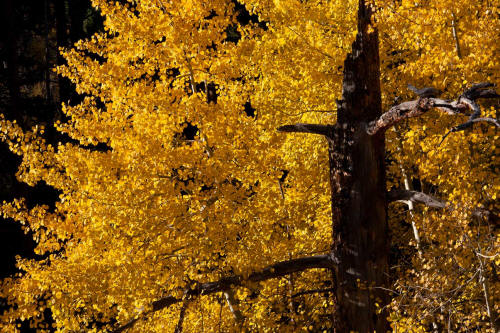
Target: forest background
<point>31,93</point>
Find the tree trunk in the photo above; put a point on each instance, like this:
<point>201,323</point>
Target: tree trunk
<point>357,175</point>
<point>12,59</point>
<point>48,83</point>
<point>62,36</point>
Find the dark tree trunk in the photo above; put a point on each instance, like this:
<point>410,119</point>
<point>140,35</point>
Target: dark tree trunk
<point>63,28</point>
<point>48,85</point>
<point>357,174</point>
<point>12,58</point>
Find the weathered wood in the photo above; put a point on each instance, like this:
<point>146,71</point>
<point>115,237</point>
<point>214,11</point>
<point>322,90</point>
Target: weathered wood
<point>397,113</point>
<point>357,174</point>
<point>415,197</point>
<point>425,102</point>
<point>432,202</point>
<point>307,128</point>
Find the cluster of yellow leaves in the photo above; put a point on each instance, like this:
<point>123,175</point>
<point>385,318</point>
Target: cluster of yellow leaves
<point>448,45</point>
<point>153,212</point>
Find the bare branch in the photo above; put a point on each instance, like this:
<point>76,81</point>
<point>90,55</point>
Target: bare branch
<point>182,314</point>
<point>475,114</point>
<point>491,217</point>
<point>307,128</point>
<point>413,109</point>
<point>430,201</point>
<point>233,303</point>
<point>313,291</point>
<point>399,112</point>
<point>455,35</point>
<point>409,187</point>
<point>425,92</point>
<point>488,120</point>
<point>468,124</point>
<point>479,90</point>
<point>277,270</point>
<point>427,101</point>
<point>415,197</point>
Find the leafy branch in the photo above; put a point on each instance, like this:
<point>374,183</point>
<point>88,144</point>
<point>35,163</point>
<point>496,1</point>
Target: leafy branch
<point>277,270</point>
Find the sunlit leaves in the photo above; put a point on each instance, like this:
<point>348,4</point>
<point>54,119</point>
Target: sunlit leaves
<point>147,210</point>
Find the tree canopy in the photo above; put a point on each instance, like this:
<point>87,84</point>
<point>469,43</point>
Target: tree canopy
<point>182,207</point>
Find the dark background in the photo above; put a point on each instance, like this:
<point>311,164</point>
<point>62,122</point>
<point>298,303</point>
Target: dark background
<point>31,93</point>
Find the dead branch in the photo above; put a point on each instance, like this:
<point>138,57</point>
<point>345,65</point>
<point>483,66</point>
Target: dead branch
<point>313,291</point>
<point>455,35</point>
<point>415,197</point>
<point>425,92</point>
<point>182,314</point>
<point>427,101</point>
<point>307,128</point>
<point>468,124</point>
<point>400,112</point>
<point>233,304</point>
<point>277,270</point>
<point>408,186</point>
<point>432,202</point>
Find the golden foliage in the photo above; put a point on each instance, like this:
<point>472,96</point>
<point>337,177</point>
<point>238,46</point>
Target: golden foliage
<point>156,211</point>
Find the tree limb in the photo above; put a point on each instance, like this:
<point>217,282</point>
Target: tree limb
<point>182,314</point>
<point>425,92</point>
<point>399,112</point>
<point>488,120</point>
<point>430,201</point>
<point>455,35</point>
<point>233,303</point>
<point>408,186</point>
<point>307,128</point>
<point>415,197</point>
<point>313,291</point>
<point>468,124</point>
<point>273,271</point>
<point>425,102</point>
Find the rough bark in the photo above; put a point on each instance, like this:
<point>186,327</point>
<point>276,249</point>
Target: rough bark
<point>359,207</point>
<point>432,202</point>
